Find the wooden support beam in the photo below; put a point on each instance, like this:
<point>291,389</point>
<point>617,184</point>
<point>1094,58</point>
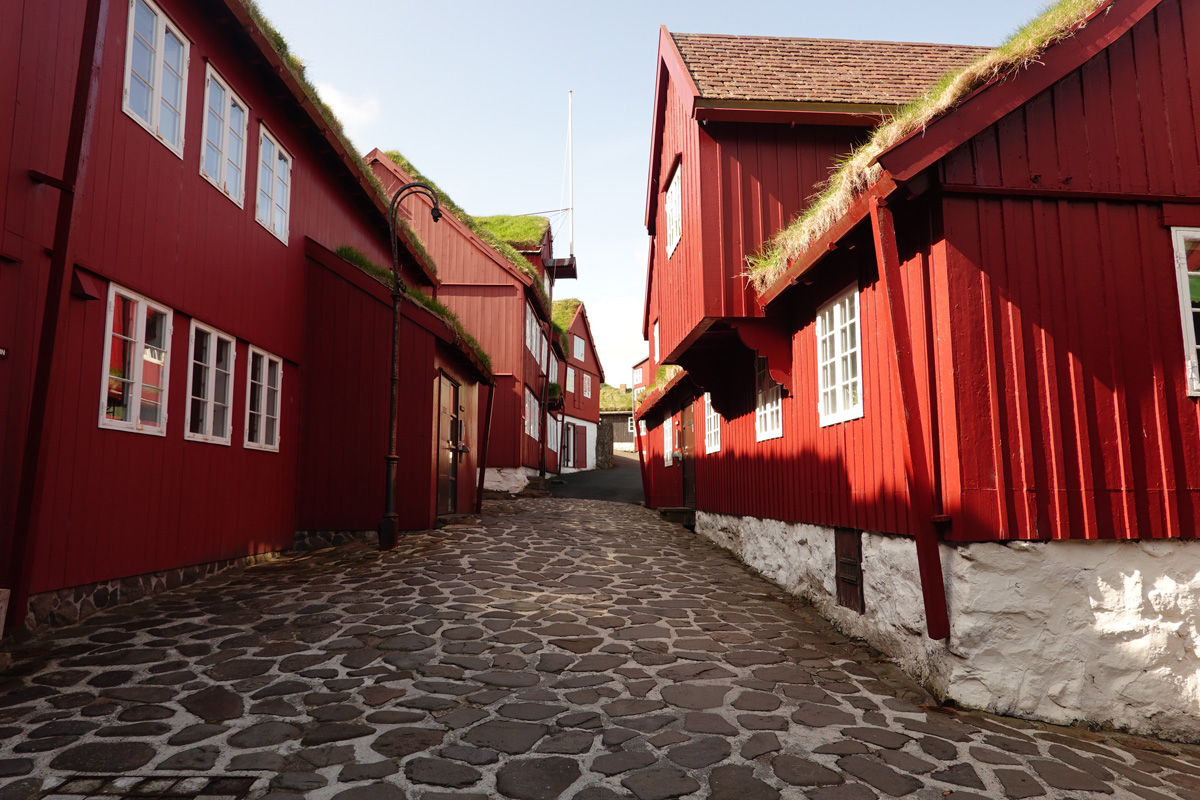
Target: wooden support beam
<point>916,463</point>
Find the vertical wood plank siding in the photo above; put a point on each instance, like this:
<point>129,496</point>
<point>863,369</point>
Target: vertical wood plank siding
<point>115,503</point>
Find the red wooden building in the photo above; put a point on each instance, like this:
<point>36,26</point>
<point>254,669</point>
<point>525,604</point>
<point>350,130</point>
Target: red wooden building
<point>501,292</point>
<point>189,374</point>
<point>581,377</point>
<point>964,403</point>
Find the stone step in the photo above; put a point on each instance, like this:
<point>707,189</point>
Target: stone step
<point>683,516</point>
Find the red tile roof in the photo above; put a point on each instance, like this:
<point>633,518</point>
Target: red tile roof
<point>816,70</point>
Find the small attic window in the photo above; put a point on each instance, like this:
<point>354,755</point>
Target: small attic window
<point>674,210</point>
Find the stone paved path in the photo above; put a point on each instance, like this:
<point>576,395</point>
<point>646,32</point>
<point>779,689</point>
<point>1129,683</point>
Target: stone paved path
<point>575,649</point>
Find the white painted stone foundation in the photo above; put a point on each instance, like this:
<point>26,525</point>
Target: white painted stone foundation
<point>506,479</point>
<point>1103,632</point>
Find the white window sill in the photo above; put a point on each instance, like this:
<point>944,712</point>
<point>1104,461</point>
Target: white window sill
<point>130,427</point>
<point>845,416</point>
<point>195,437</point>
<point>178,151</point>
<point>262,447</point>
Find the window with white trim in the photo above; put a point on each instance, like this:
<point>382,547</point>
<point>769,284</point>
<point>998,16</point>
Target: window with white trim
<point>210,385</point>
<point>553,367</point>
<point>839,361</point>
<point>587,385</point>
<point>1187,274</point>
<point>768,410</point>
<point>156,62</point>
<point>263,384</point>
<point>533,414</point>
<point>668,442</point>
<point>578,345</point>
<point>657,356</point>
<point>637,376</point>
<point>133,394</point>
<point>531,328</point>
<point>712,426</point>
<point>570,379</point>
<point>274,184</point>
<point>674,211</point>
<point>224,157</point>
<point>631,423</point>
<point>544,347</point>
<point>642,423</point>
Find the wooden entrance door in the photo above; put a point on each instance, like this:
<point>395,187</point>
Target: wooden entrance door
<point>568,444</point>
<point>449,439</point>
<point>687,455</point>
<point>581,458</point>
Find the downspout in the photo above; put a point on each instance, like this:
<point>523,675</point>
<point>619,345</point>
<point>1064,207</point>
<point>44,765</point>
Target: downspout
<point>483,451</point>
<point>916,464</point>
<point>542,407</point>
<point>83,115</point>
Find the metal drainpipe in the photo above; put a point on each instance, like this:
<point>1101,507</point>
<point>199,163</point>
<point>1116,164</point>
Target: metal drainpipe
<point>83,115</point>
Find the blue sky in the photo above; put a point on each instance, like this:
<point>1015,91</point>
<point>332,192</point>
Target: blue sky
<point>475,94</point>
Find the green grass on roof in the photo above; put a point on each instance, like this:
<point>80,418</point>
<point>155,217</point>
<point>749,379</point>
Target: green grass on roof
<point>860,169</point>
<point>523,233</point>
<point>384,276</point>
<point>561,317</point>
<point>499,245</point>
<point>613,399</point>
<point>296,66</point>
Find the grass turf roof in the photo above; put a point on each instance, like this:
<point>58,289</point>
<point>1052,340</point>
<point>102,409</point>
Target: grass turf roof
<point>561,316</point>
<point>523,233</point>
<point>295,65</point>
<point>384,276</point>
<point>860,169</point>
<point>499,245</point>
<point>613,399</point>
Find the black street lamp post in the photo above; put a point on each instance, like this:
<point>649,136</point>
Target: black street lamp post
<point>387,526</point>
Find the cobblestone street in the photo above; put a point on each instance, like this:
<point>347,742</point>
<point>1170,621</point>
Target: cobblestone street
<point>563,648</point>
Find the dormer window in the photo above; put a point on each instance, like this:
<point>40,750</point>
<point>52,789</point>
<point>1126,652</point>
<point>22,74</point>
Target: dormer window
<point>674,212</point>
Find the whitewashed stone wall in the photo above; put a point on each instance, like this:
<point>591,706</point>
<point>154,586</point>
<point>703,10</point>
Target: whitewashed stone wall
<point>1104,632</point>
<point>505,479</point>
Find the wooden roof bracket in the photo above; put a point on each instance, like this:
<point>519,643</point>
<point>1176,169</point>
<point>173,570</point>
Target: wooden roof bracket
<point>770,341</point>
<point>917,467</point>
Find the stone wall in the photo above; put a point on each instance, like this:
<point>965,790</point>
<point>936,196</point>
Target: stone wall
<point>1103,632</point>
<point>65,606</point>
<point>317,540</point>
<point>604,444</point>
<point>505,479</point>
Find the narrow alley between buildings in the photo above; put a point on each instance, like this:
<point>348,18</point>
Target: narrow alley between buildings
<point>559,648</point>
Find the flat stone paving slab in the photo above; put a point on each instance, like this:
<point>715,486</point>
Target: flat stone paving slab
<point>559,648</point>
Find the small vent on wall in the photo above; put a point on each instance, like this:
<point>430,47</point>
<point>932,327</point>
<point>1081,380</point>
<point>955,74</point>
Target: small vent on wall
<point>848,553</point>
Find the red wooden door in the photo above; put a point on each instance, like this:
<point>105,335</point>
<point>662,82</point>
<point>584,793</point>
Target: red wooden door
<point>687,453</point>
<point>581,458</point>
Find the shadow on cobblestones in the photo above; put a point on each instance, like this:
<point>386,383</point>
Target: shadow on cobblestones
<point>561,648</point>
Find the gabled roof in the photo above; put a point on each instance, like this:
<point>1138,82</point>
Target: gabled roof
<point>772,68</point>
<point>525,233</point>
<point>1065,37</point>
<point>271,46</point>
<point>567,312</point>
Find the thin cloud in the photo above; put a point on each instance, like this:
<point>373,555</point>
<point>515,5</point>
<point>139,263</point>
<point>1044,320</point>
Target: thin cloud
<point>357,112</point>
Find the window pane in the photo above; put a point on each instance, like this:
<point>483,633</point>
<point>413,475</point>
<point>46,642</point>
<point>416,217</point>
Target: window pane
<point>168,124</point>
<point>223,354</point>
<point>139,97</point>
<point>156,329</point>
<point>273,373</point>
<point>172,52</point>
<point>256,367</point>
<point>212,160</point>
<point>216,101</point>
<point>269,435</point>
<point>220,427</point>
<point>196,423</point>
<point>144,21</point>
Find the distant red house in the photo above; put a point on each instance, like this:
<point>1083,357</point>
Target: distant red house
<point>190,374</point>
<point>966,403</point>
<point>505,300</point>
<point>582,376</point>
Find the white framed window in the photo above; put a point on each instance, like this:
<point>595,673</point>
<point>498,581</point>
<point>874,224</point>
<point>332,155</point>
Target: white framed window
<point>1187,274</point>
<point>839,359</point>
<point>570,379</point>
<point>631,423</point>
<point>637,376</point>
<point>587,385</point>
<point>533,414</point>
<point>668,441</point>
<point>274,184</point>
<point>642,423</point>
<point>657,356</point>
<point>712,426</point>
<point>210,385</point>
<point>133,392</point>
<point>531,328</point>
<point>578,345</point>
<point>223,161</point>
<point>264,380</point>
<point>544,348</point>
<point>674,211</point>
<point>156,62</point>
<point>768,411</point>
<point>553,373</point>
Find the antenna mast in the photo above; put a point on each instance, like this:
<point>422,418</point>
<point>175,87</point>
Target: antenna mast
<point>571,167</point>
